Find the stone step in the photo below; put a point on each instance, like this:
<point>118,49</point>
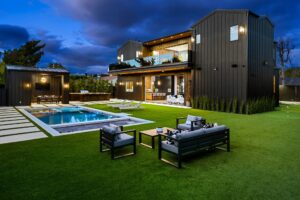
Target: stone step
<point>12,119</point>
<point>22,137</point>
<point>14,126</point>
<point>10,116</point>
<point>14,122</point>
<point>18,131</point>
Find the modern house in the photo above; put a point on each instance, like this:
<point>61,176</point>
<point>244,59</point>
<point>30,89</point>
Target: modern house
<point>229,54</point>
<point>23,85</point>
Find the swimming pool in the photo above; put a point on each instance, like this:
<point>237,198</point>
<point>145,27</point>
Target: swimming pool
<point>59,121</point>
<point>67,115</point>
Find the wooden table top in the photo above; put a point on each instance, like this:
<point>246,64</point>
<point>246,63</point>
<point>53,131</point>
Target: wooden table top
<point>153,132</point>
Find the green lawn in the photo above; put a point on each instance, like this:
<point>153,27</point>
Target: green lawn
<point>264,163</point>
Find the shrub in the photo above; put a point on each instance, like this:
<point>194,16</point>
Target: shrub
<point>2,70</point>
<point>235,105</point>
<point>262,104</point>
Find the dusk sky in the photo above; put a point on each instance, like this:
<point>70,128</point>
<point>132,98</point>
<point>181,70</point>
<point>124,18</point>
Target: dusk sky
<point>84,35</point>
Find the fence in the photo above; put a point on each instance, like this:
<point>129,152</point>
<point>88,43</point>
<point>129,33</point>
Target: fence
<point>289,93</point>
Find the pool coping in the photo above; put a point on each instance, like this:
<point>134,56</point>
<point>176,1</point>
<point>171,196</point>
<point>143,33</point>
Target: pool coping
<point>51,128</point>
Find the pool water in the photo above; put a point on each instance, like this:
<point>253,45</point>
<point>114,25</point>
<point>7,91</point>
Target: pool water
<point>66,115</point>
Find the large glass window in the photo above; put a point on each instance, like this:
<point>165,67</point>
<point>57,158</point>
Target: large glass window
<point>234,33</point>
<point>129,86</point>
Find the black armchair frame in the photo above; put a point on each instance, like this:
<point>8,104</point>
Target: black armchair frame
<point>108,140</point>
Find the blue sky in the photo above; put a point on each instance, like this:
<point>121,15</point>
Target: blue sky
<point>83,35</point>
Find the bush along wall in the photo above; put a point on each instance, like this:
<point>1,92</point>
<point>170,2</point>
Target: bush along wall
<point>252,106</point>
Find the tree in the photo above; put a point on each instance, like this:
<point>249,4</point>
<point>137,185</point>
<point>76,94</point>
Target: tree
<point>284,49</point>
<point>28,54</point>
<point>56,66</point>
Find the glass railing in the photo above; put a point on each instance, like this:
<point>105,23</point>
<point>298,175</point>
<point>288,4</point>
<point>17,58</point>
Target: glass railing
<point>180,56</point>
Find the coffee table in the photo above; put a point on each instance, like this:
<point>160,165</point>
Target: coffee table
<point>152,133</point>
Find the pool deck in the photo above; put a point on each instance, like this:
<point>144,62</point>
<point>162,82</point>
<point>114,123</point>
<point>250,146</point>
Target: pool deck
<point>14,127</point>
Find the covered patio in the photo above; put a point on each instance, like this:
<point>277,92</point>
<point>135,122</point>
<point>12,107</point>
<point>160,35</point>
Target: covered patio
<point>26,85</point>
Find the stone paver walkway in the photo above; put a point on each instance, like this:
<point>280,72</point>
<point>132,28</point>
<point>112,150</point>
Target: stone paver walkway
<point>14,127</point>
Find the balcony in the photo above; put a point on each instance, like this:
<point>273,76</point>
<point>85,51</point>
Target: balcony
<point>178,57</point>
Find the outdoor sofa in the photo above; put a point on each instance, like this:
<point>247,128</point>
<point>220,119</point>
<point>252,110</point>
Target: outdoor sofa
<point>114,137</point>
<point>191,122</point>
<point>193,141</point>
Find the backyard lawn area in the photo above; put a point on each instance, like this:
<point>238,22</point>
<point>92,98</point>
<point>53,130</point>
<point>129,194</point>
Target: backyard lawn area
<point>264,163</point>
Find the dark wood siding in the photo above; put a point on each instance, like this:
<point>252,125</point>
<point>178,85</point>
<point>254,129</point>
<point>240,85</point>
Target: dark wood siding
<point>261,62</point>
<point>214,74</point>
<point>18,93</point>
<point>138,90</point>
<point>129,49</point>
<point>2,96</point>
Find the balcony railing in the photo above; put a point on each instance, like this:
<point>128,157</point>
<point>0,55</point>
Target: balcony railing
<point>181,56</point>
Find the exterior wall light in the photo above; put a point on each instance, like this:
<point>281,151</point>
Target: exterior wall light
<point>43,80</point>
<point>27,85</point>
<point>121,83</point>
<point>192,39</point>
<point>138,83</point>
<point>158,83</point>
<point>66,86</point>
<point>242,29</point>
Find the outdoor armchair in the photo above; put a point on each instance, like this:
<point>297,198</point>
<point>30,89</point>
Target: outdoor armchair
<point>114,137</point>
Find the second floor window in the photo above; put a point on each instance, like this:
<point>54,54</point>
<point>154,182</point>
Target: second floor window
<point>234,33</point>
<point>122,58</point>
<point>198,39</point>
<point>129,86</point>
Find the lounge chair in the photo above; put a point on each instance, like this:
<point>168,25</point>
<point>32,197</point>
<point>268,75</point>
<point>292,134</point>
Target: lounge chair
<point>121,104</point>
<point>113,137</point>
<point>191,123</point>
<point>185,143</point>
<point>115,102</point>
<point>132,107</point>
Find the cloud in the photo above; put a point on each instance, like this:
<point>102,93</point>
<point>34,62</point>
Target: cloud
<point>12,36</point>
<point>76,58</point>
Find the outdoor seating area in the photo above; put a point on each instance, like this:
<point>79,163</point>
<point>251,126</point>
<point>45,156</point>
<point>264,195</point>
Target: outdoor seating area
<point>196,137</point>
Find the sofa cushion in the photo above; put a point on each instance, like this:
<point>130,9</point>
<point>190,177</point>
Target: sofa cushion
<point>184,127</point>
<point>170,147</point>
<point>111,129</point>
<point>124,139</point>
<point>215,129</point>
<point>190,134</point>
<point>189,119</point>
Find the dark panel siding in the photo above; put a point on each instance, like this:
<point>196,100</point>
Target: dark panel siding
<point>2,96</point>
<point>216,51</point>
<point>129,49</point>
<point>18,94</point>
<point>138,90</point>
<point>261,43</point>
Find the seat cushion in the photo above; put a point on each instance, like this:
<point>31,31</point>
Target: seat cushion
<point>169,147</point>
<point>124,139</point>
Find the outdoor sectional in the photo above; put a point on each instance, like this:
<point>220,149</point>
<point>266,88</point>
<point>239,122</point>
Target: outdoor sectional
<point>115,138</point>
<point>189,142</point>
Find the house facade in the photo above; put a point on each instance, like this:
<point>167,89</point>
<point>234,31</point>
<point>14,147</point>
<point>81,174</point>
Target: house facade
<point>229,54</point>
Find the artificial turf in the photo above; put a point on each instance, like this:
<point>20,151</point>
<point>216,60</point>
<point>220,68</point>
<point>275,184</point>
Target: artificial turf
<point>264,163</point>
